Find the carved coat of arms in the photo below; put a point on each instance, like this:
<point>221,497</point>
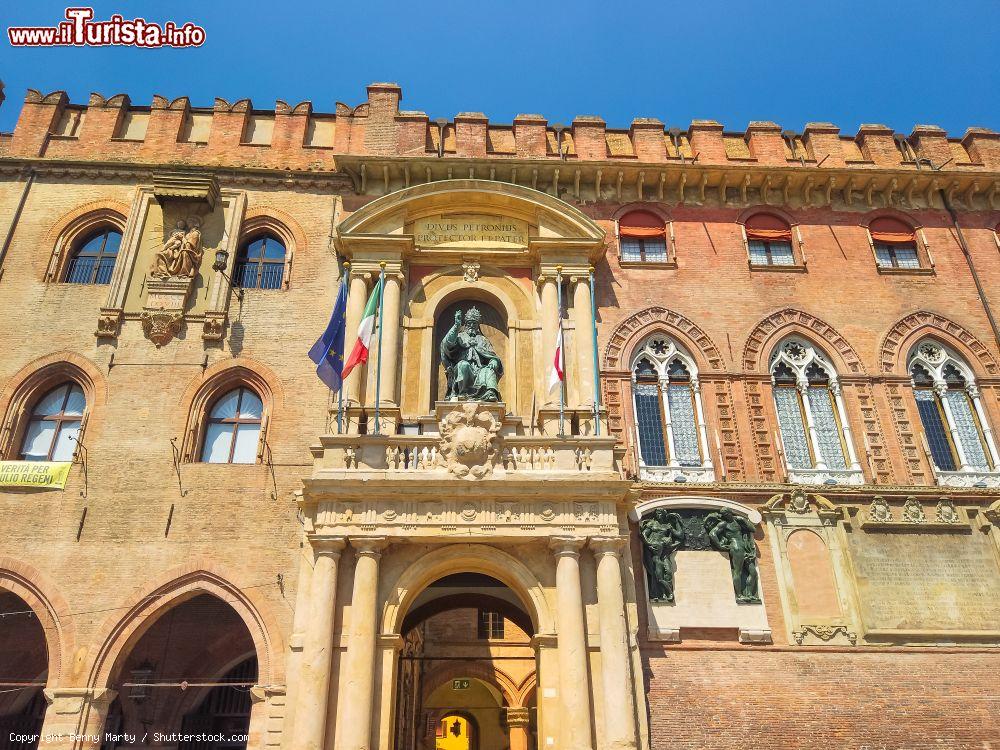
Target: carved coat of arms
<point>469,441</point>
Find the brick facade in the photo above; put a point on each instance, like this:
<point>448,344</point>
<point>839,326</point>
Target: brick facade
<point>133,523</point>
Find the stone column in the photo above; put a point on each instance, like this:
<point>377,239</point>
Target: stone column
<point>550,323</point>
<point>313,691</point>
<point>518,721</point>
<point>390,337</point>
<point>300,620</point>
<point>803,387</point>
<point>354,725</point>
<point>619,707</point>
<point>572,643</point>
<point>75,717</point>
<point>584,319</point>
<point>942,392</point>
<point>357,297</point>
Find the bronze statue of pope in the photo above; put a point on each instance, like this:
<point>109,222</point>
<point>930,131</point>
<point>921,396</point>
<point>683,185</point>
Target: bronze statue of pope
<point>472,366</point>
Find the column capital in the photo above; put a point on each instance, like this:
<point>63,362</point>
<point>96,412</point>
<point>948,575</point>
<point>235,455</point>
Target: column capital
<point>518,716</point>
<point>70,700</point>
<point>328,545</point>
<point>567,545</point>
<point>369,546</point>
<point>606,545</point>
<point>360,273</point>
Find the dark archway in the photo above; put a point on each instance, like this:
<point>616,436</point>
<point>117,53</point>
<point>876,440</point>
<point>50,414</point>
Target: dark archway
<point>23,672</point>
<point>190,673</point>
<point>467,652</point>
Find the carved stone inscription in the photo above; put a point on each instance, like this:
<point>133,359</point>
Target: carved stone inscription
<point>928,582</point>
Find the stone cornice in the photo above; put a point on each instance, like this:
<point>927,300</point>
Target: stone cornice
<point>227,176</point>
<point>859,188</point>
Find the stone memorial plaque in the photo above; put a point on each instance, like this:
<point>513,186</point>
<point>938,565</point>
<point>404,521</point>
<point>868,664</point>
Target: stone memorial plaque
<point>927,582</point>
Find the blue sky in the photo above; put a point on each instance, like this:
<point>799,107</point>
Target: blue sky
<point>848,62</point>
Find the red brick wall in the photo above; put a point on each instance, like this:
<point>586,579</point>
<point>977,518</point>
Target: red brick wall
<point>815,700</point>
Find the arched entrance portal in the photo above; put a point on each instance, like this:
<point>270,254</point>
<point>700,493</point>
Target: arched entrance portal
<point>188,675</point>
<point>23,674</point>
<point>467,669</point>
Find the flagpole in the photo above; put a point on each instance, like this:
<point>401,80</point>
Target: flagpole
<point>378,369</point>
<point>344,279</point>
<point>559,352</point>
<point>597,381</point>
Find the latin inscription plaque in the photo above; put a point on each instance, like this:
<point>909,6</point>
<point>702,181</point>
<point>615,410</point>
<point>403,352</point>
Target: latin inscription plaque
<point>931,582</point>
<point>470,229</point>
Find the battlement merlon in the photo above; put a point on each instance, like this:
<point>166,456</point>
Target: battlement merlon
<point>297,137</point>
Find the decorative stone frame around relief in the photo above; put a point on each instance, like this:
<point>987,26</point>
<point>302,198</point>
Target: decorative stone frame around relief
<point>112,315</point>
<point>750,620</point>
<point>790,512</point>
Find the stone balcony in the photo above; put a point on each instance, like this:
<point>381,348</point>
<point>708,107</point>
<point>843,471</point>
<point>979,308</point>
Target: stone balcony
<point>471,471</point>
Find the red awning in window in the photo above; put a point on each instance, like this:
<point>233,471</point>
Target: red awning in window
<point>888,229</point>
<point>767,227</point>
<point>641,224</point>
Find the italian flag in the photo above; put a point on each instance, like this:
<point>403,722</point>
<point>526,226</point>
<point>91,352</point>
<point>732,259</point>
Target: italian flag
<point>359,353</point>
<point>557,374</point>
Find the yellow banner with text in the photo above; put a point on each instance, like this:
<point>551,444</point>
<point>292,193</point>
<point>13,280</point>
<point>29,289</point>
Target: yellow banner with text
<point>40,474</point>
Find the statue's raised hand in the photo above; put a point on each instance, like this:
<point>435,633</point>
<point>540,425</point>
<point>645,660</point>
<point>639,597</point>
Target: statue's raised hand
<point>458,317</point>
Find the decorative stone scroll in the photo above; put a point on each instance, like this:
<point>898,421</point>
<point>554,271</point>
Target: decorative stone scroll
<point>825,633</point>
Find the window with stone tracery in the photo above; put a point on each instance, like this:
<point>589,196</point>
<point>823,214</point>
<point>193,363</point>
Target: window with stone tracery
<point>812,421</point>
<point>670,423</point>
<point>956,432</point>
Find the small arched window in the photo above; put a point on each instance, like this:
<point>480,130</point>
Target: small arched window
<point>260,263</point>
<point>894,243</point>
<point>233,428</point>
<point>92,259</point>
<point>769,240</point>
<point>670,423</point>
<point>813,425</point>
<point>642,238</point>
<point>955,427</point>
<point>54,425</point>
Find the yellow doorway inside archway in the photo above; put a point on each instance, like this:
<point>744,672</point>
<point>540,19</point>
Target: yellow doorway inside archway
<point>455,732</point>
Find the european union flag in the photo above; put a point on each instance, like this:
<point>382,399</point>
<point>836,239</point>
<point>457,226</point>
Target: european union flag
<point>328,352</point>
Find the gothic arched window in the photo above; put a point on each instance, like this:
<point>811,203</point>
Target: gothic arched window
<point>93,257</point>
<point>233,428</point>
<point>670,423</point>
<point>54,425</point>
<point>260,263</point>
<point>815,435</point>
<point>957,433</point>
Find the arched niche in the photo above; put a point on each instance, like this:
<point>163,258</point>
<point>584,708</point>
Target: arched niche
<point>494,327</point>
<point>812,573</point>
